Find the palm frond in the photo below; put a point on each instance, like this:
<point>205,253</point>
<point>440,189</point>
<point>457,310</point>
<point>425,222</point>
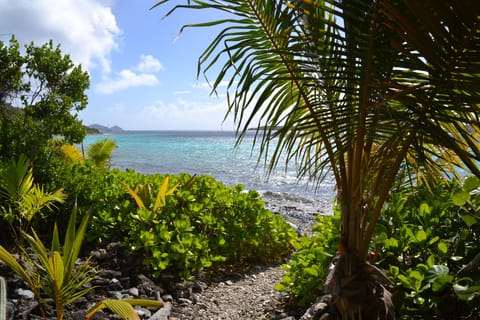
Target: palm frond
<point>363,89</point>
<point>72,153</point>
<point>99,153</point>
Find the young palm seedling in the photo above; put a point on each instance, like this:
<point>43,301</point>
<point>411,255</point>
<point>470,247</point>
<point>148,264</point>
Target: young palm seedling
<point>54,273</point>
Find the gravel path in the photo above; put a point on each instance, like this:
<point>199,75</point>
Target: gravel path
<point>242,296</point>
<point>246,296</point>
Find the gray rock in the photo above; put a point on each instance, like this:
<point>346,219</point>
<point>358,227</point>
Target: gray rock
<point>143,313</point>
<point>25,293</point>
<point>315,311</point>
<point>115,294</point>
<point>134,292</point>
<point>163,313</point>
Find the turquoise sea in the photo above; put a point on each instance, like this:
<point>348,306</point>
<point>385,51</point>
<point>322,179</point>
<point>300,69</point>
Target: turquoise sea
<point>213,153</point>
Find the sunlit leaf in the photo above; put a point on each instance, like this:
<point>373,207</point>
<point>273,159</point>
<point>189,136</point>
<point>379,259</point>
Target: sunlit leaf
<point>471,183</point>
<point>459,198</point>
<point>421,235</point>
<point>442,246</point>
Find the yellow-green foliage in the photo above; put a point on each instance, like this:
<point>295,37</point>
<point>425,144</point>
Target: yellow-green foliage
<point>22,199</point>
<point>54,272</point>
<point>123,308</point>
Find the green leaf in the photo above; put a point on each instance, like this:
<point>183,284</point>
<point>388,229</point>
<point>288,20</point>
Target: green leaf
<point>441,282</point>
<point>55,239</point>
<point>134,194</point>
<point>471,183</point>
<point>13,264</point>
<point>119,307</point>
<point>163,192</point>
<point>419,300</point>
<point>469,219</point>
<point>312,271</point>
<point>391,243</point>
<point>464,290</point>
<point>280,287</point>
<point>421,235</point>
<point>3,299</point>
<point>56,269</point>
<point>442,246</point>
<point>394,271</point>
<point>425,208</point>
<point>433,240</point>
<point>436,271</point>
<point>431,260</point>
<point>459,198</point>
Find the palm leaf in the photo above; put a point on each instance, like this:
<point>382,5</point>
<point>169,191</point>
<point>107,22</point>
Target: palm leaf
<point>13,264</point>
<point>134,194</point>
<point>100,152</point>
<point>17,178</point>
<point>123,308</point>
<point>3,299</point>
<point>73,241</point>
<point>162,194</point>
<point>57,269</point>
<point>72,152</point>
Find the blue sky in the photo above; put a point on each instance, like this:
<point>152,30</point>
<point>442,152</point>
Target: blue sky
<point>141,75</point>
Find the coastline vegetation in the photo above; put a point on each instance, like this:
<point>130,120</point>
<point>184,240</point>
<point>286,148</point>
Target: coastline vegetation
<point>407,229</point>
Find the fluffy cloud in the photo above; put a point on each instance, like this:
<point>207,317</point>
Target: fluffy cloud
<point>149,64</point>
<point>199,115</point>
<point>126,79</point>
<point>87,29</point>
<point>140,75</point>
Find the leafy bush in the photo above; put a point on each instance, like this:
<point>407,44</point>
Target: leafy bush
<point>426,240</point>
<point>203,224</point>
<point>308,268</point>
<point>423,240</point>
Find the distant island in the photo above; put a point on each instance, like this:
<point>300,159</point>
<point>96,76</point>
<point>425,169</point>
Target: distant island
<point>99,129</point>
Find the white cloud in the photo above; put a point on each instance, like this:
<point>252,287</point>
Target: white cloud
<point>181,92</point>
<point>149,64</point>
<point>87,29</point>
<point>126,79</point>
<point>140,75</point>
<point>186,115</point>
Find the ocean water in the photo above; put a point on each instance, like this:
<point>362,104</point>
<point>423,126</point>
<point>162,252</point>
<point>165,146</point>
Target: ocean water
<point>213,153</point>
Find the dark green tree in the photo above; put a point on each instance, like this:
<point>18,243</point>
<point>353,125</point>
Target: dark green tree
<point>41,93</point>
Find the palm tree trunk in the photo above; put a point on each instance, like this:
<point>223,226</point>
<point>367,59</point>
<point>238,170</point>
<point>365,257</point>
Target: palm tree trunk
<point>359,289</point>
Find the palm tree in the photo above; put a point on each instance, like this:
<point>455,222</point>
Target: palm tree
<point>360,89</point>
<point>98,153</point>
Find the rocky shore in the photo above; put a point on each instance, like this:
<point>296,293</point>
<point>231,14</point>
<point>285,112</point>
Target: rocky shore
<point>246,295</point>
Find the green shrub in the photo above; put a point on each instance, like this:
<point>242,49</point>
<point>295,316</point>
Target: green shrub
<point>427,242</point>
<point>423,240</point>
<point>205,225</point>
<point>308,268</point>
<point>202,225</point>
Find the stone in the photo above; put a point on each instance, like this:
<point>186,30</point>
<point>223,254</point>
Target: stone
<point>25,294</point>
<point>163,313</point>
<point>134,292</point>
<point>315,311</point>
